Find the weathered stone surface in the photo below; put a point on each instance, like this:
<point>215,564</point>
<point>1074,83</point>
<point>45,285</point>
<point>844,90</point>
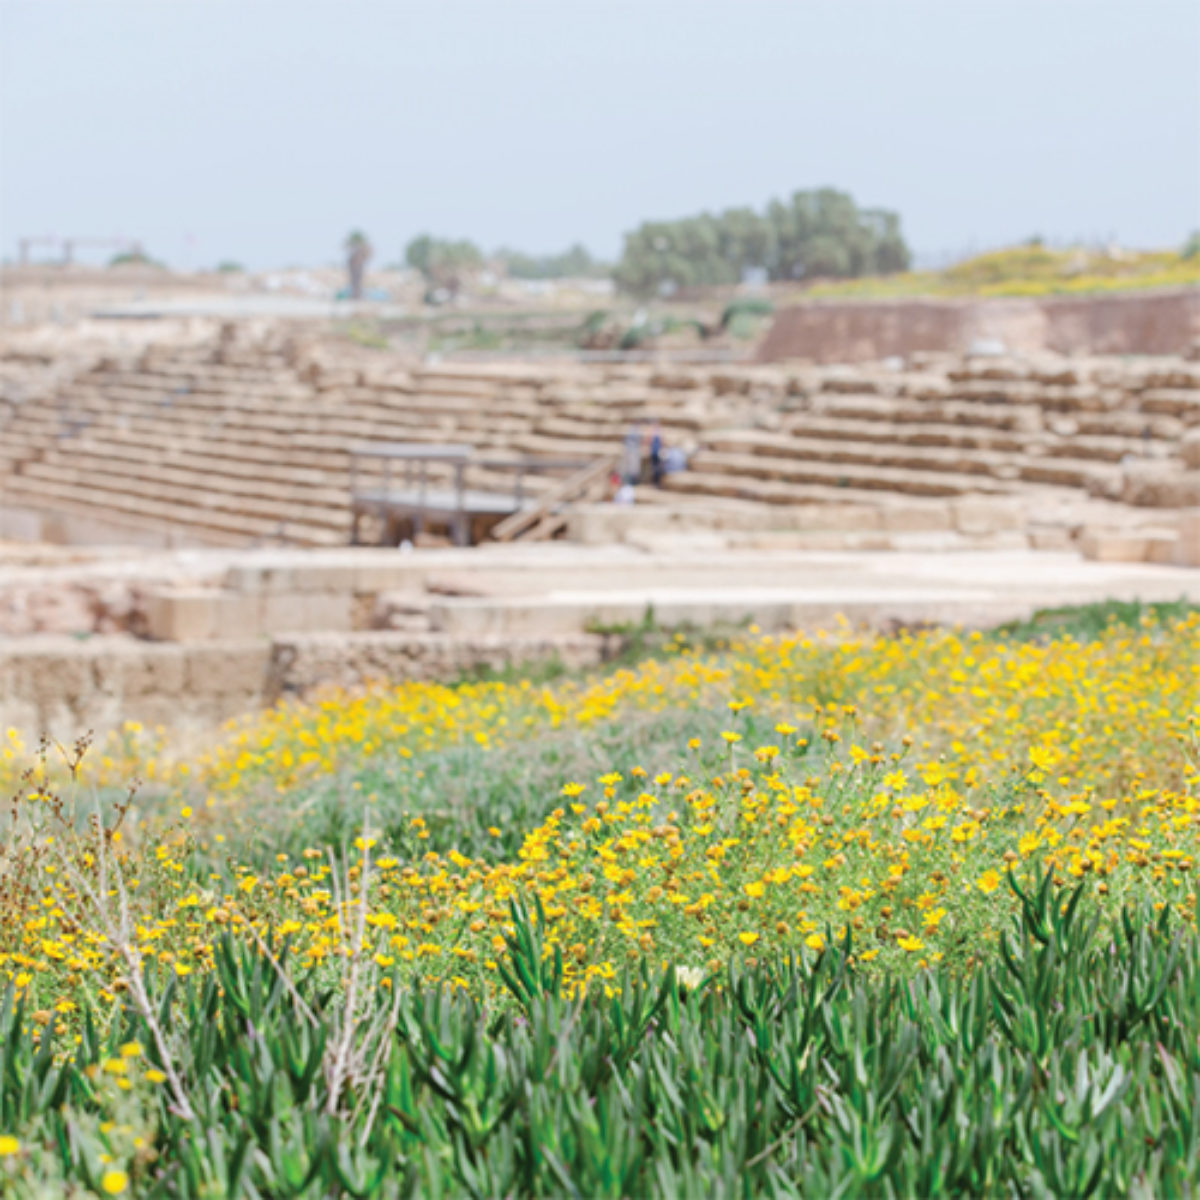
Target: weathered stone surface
<point>1153,486</point>
<point>182,614</point>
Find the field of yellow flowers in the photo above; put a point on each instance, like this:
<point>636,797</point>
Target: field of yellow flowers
<point>837,806</point>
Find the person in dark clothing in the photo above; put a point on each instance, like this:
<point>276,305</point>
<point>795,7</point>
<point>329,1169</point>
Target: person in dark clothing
<point>656,456</point>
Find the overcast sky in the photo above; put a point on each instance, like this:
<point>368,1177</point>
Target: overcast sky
<point>263,131</point>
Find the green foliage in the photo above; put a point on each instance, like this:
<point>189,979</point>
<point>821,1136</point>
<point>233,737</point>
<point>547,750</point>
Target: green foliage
<point>133,258</point>
<point>367,337</point>
<point>1087,622</point>
<point>1066,1068</point>
<point>815,234</point>
<point>573,263</point>
<point>229,267</point>
<point>747,306</point>
<point>443,263</point>
<point>1191,248</point>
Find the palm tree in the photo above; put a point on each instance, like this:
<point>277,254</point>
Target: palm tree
<point>358,252</point>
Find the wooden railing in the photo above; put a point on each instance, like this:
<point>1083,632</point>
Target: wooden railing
<point>543,519</point>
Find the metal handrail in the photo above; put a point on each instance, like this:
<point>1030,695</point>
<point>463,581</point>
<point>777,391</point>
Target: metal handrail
<point>417,456</point>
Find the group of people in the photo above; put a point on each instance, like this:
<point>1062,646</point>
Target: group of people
<point>644,459</point>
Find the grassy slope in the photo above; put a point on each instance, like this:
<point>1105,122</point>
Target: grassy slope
<point>1025,271</point>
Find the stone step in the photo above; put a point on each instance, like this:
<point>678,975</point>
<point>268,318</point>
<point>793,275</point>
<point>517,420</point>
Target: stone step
<point>88,498</point>
<point>932,433</point>
<point>613,432</point>
<point>203,473</point>
<point>155,486</point>
<point>1176,402</point>
<point>952,412</point>
<point>744,488</point>
<point>356,419</point>
<point>866,477</point>
<point>891,456</point>
<point>1088,474</point>
<point>1100,440</point>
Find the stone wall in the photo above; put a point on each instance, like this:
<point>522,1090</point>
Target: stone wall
<point>64,687</point>
<point>1158,322</point>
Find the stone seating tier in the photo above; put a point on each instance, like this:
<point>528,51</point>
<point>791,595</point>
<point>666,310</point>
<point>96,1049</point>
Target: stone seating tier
<point>234,440</point>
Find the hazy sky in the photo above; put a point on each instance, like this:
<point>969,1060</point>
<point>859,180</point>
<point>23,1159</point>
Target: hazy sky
<point>263,131</point>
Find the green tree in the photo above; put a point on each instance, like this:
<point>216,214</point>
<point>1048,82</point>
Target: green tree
<point>445,264</point>
<point>815,234</point>
<point>573,263</point>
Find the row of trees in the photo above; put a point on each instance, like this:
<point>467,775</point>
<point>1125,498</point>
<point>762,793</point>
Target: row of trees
<point>815,234</point>
<point>574,263</point>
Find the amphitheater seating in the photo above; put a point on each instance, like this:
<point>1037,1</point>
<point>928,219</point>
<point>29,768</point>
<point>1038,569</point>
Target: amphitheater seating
<point>234,443</point>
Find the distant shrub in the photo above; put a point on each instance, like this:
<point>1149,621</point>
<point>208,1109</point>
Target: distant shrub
<point>134,258</point>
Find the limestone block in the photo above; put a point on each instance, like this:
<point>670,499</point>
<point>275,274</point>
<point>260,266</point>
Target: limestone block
<point>1190,448</point>
<point>1051,537</point>
<point>143,670</point>
<point>400,610</point>
<point>299,612</point>
<point>1115,545</point>
<point>56,677</point>
<point>1187,551</point>
<point>227,668</point>
<point>325,577</point>
<point>245,578</point>
<point>597,524</point>
<point>239,614</point>
<point>1152,485</point>
<point>987,514</point>
<point>1162,546</point>
<point>182,614</point>
<point>1000,539</point>
<point>912,518</point>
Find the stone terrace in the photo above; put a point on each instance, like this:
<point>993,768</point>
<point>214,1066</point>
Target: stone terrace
<point>246,441</point>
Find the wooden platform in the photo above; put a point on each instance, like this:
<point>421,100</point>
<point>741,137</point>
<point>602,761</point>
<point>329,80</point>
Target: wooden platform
<point>416,501</point>
<point>435,506</point>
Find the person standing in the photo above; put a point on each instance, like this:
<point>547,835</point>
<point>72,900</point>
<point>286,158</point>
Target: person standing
<point>656,455</point>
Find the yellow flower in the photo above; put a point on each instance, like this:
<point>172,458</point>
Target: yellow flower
<point>114,1182</point>
<point>989,881</point>
<point>815,941</point>
<point>747,939</point>
<point>911,944</point>
<point>755,889</point>
<point>731,737</point>
<point>9,1146</point>
<point>154,1075</point>
<point>1042,758</point>
<point>571,790</point>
